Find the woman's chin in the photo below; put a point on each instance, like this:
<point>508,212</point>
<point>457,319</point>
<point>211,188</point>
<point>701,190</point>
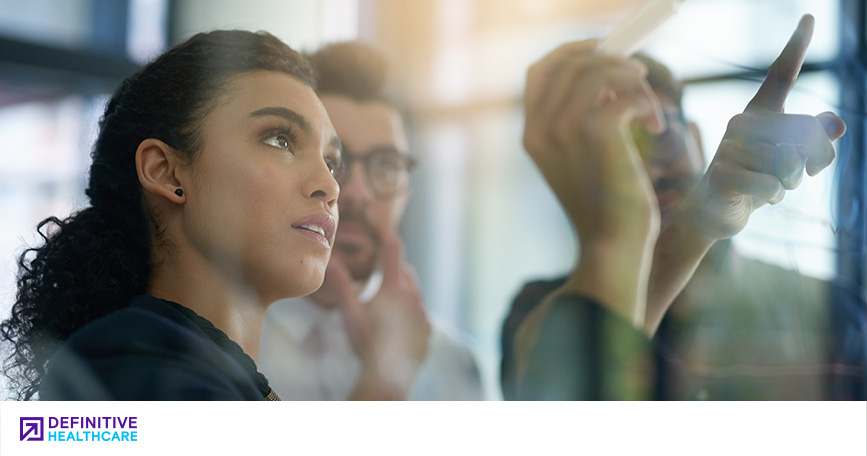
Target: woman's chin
<point>301,283</point>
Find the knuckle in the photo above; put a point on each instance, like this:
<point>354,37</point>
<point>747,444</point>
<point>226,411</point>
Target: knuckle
<point>788,161</point>
<point>773,189</point>
<point>778,197</point>
<point>728,147</point>
<point>738,122</point>
<point>791,182</point>
<point>829,153</point>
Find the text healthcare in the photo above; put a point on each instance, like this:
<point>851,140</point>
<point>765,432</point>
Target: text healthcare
<point>93,429</point>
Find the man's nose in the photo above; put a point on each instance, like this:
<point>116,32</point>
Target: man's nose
<point>320,184</point>
<point>354,188</point>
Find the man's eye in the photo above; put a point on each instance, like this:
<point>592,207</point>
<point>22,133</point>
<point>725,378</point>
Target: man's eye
<point>335,167</point>
<point>386,164</point>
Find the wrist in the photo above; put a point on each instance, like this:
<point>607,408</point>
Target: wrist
<point>686,232</point>
<point>615,274</point>
<point>681,245</point>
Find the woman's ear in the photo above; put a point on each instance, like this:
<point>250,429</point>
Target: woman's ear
<point>157,164</point>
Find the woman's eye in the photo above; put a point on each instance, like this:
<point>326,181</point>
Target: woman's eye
<point>280,141</point>
<point>281,138</point>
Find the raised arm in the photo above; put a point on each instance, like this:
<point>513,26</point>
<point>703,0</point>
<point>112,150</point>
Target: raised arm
<point>579,106</point>
<point>763,154</point>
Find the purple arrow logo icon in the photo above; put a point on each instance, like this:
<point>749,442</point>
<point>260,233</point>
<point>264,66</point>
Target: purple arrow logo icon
<point>31,428</point>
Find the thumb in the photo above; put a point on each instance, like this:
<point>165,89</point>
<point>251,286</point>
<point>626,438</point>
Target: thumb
<point>833,125</point>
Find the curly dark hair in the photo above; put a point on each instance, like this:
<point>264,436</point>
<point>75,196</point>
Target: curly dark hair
<point>96,260</point>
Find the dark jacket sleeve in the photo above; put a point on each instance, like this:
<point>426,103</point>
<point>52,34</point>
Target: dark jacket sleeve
<point>581,352</point>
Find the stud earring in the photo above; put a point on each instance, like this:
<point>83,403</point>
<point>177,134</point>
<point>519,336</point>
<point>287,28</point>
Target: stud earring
<point>179,192</point>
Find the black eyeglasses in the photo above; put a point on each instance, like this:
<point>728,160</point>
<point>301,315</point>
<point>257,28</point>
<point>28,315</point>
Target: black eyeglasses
<point>387,169</point>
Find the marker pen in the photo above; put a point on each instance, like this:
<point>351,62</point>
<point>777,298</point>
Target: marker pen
<point>634,31</point>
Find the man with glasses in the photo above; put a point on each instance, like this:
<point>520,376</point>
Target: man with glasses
<point>364,334</point>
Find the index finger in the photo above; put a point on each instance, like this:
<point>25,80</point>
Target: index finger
<point>783,73</point>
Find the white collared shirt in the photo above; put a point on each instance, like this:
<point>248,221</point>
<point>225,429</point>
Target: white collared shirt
<point>306,355</point>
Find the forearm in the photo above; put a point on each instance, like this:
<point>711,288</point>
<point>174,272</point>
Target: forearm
<point>615,274</point>
<point>679,250</point>
<point>565,332</point>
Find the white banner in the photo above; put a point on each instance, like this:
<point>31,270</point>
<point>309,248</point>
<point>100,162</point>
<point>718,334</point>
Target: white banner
<point>483,428</point>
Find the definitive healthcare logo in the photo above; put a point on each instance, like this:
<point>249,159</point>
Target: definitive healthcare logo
<point>79,429</point>
<point>31,428</point>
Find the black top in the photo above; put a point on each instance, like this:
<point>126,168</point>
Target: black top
<point>581,352</point>
<point>584,352</point>
<point>152,350</point>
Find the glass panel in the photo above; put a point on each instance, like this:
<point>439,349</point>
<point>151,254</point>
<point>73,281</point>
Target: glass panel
<point>481,223</point>
<point>42,169</point>
<point>718,36</point>
<point>146,37</point>
<point>512,229</point>
<point>66,24</point>
<point>302,24</point>
<point>755,326</point>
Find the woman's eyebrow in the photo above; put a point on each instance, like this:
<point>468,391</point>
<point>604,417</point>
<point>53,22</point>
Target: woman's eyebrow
<point>285,113</point>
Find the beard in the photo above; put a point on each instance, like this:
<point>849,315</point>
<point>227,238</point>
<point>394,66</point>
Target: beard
<point>360,264</point>
<point>358,244</point>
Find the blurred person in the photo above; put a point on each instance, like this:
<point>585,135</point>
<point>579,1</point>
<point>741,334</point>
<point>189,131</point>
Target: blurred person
<point>739,326</point>
<point>365,334</point>
<point>211,195</point>
<point>580,337</point>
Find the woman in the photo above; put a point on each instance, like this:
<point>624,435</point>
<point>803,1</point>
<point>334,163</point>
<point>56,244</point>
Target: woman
<point>211,195</point>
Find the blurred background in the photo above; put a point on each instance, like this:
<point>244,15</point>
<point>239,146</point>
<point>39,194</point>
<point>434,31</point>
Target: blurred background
<point>482,221</point>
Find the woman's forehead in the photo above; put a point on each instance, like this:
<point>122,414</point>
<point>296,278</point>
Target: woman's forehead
<point>269,91</point>
<point>256,89</point>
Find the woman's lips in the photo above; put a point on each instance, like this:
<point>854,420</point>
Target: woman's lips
<point>317,227</point>
<point>313,235</point>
